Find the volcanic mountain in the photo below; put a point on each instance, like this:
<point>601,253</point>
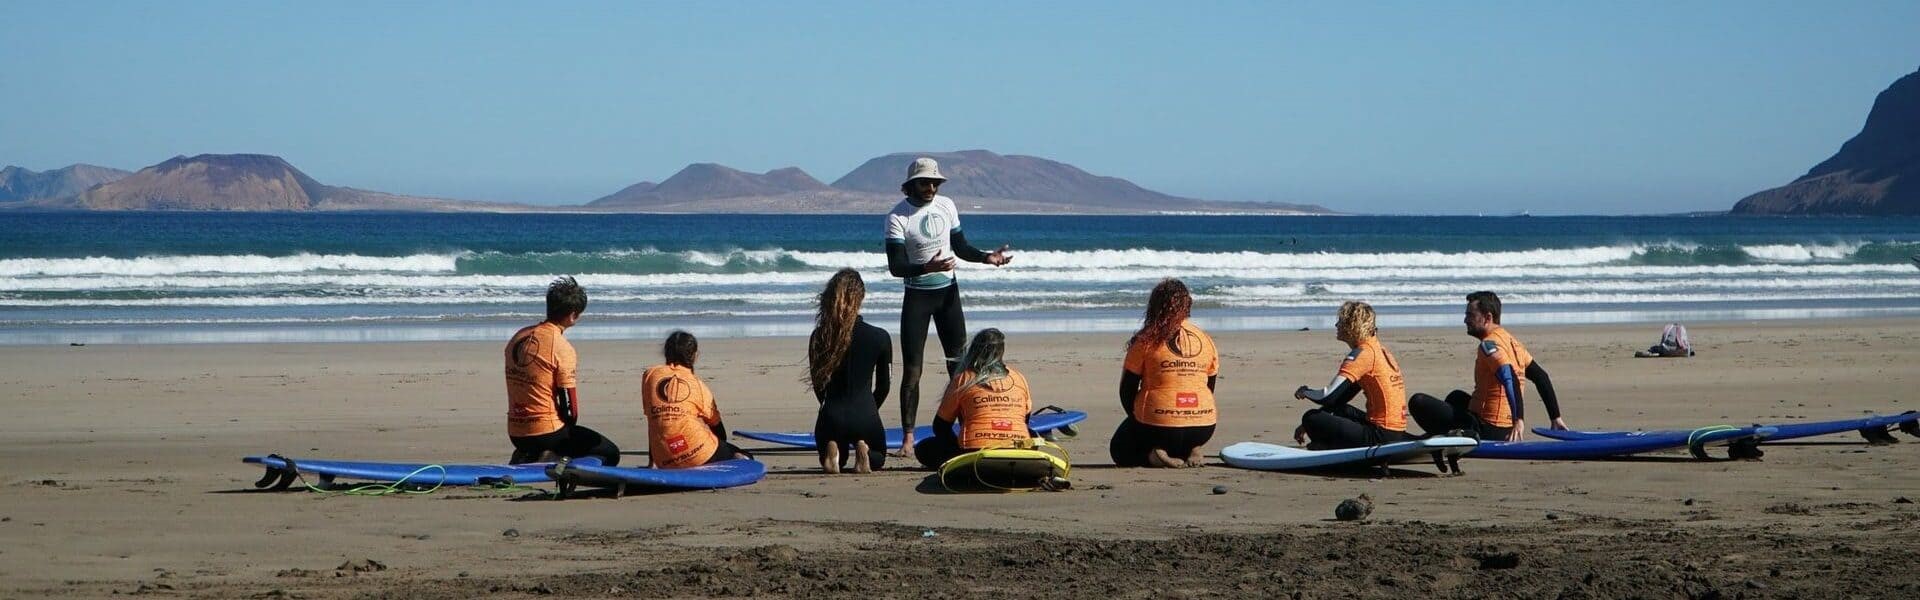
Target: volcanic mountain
<point>18,184</point>
<point>708,181</point>
<point>1875,173</point>
<point>238,182</point>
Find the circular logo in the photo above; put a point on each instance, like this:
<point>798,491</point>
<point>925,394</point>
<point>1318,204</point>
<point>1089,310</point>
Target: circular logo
<point>933,225</point>
<point>523,350</point>
<point>1001,385</point>
<point>673,390</point>
<point>1187,344</point>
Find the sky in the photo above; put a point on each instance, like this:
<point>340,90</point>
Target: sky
<point>1372,107</point>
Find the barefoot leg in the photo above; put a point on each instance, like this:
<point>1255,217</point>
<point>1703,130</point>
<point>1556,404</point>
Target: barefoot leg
<point>831,461</point>
<point>1159,458</point>
<point>862,461</point>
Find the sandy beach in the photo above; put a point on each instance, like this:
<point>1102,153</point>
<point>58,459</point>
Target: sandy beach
<point>125,478</point>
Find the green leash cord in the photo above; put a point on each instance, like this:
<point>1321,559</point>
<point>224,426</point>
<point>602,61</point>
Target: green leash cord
<point>1696,437</point>
<point>382,489</point>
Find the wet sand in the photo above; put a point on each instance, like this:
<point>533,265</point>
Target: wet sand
<point>125,477</point>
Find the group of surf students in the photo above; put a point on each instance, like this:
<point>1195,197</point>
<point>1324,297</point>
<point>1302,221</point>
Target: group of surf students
<point>1166,385</point>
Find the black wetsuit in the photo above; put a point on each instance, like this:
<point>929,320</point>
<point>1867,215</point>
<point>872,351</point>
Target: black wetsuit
<point>850,404</point>
<point>939,306</point>
<point>1134,441</point>
<point>571,441</point>
<point>1338,424</point>
<point>1438,417</point>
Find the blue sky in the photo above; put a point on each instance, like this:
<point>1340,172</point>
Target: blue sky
<point>1431,107</point>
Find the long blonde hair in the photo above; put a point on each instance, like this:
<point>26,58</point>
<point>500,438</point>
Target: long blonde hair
<point>1356,322</point>
<point>833,328</point>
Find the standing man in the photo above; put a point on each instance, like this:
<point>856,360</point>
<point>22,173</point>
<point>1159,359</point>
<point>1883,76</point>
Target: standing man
<point>1501,369</point>
<point>923,241</point>
<point>543,395</point>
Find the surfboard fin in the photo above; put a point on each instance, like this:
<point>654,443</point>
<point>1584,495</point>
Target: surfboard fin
<point>1745,449</point>
<point>1878,436</point>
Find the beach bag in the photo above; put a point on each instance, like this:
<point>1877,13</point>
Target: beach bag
<point>1030,464</point>
<point>1674,343</point>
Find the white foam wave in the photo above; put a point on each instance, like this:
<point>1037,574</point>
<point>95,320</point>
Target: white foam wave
<point>1801,252</point>
<point>147,266</point>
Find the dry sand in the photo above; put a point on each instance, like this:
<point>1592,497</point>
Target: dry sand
<point>124,477</point>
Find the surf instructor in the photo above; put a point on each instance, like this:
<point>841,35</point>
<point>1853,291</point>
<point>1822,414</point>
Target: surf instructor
<point>924,242</point>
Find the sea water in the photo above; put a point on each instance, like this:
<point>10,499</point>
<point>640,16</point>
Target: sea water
<point>217,277</point>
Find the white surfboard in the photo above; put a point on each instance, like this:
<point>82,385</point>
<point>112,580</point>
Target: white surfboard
<point>1273,457</point>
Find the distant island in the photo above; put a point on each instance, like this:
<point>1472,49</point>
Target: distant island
<point>981,181</point>
<point>1875,173</point>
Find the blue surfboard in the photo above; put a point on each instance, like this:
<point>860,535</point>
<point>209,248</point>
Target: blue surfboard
<point>1039,423</point>
<point>1635,443</point>
<point>724,474</point>
<point>1782,432</point>
<point>282,468</point>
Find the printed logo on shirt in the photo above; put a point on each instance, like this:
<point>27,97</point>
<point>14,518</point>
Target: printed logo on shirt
<point>673,390</point>
<point>525,349</point>
<point>677,444</point>
<point>1002,424</point>
<point>933,225</point>
<point>1186,400</point>
<point>1001,385</point>
<point>1186,344</point>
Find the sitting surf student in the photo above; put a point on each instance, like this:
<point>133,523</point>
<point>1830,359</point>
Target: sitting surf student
<point>1166,386</point>
<point>543,394</point>
<point>1501,369</point>
<point>1369,368</point>
<point>849,368</point>
<point>989,400</point>
<point>683,420</point>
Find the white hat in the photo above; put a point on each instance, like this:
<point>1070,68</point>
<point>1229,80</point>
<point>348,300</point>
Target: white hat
<point>924,168</point>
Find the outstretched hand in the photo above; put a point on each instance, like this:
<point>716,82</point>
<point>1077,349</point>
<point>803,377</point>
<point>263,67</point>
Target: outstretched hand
<point>1301,393</point>
<point>1001,256</point>
<point>1300,435</point>
<point>1519,431</point>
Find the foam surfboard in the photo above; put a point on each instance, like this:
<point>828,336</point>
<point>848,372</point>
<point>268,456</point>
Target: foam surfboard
<point>1787,431</point>
<point>281,471</point>
<point>1635,443</point>
<point>724,474</point>
<point>1040,423</point>
<point>1273,457</point>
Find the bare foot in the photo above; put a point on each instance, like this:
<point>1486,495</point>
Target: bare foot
<point>906,446</point>
<point>1196,458</point>
<point>831,461</point>
<point>1160,459</point>
<point>862,461</point>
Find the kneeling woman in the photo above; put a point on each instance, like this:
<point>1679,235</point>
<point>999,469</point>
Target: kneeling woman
<point>848,369</point>
<point>1369,368</point>
<point>683,421</point>
<point>1167,386</point>
<point>989,399</point>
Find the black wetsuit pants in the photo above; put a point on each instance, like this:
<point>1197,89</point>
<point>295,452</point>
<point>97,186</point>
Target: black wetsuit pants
<point>1134,441</point>
<point>843,421</point>
<point>942,308</point>
<point>571,441</point>
<point>935,450</point>
<point>1346,426</point>
<point>1437,417</point>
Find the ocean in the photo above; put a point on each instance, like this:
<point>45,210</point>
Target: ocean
<point>146,278</point>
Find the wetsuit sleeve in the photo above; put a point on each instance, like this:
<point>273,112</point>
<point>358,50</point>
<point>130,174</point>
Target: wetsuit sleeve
<point>1129,387</point>
<point>897,264</point>
<point>1508,381</point>
<point>1538,375</point>
<point>965,250</point>
<point>943,429</point>
<point>566,403</point>
<point>1212,379</point>
<point>1340,392</point>
<point>719,430</point>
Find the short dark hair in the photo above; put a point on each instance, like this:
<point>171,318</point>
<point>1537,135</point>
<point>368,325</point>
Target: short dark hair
<point>1485,302</point>
<point>564,298</point>
<point>681,348</point>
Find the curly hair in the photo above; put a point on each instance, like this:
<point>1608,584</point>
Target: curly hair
<point>1167,307</point>
<point>1356,322</point>
<point>833,328</point>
